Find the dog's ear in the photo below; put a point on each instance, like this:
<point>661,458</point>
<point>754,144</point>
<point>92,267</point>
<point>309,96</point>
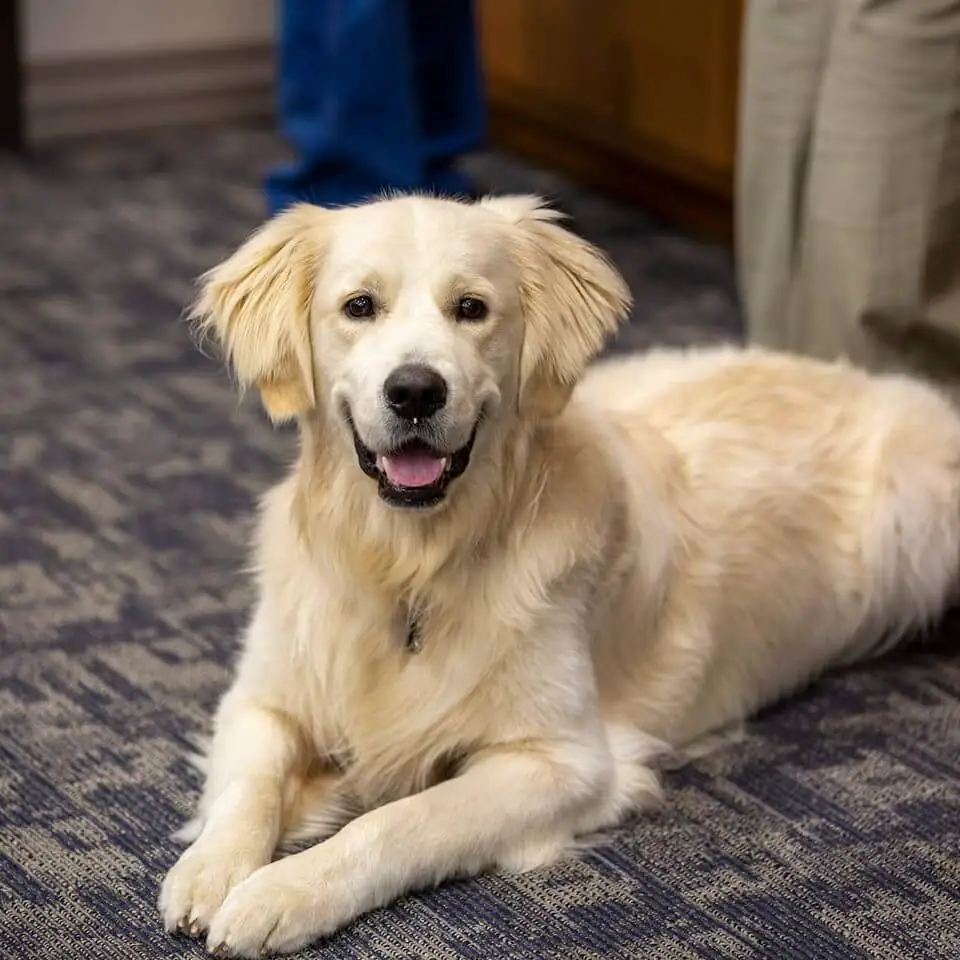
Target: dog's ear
<point>257,305</point>
<point>573,299</point>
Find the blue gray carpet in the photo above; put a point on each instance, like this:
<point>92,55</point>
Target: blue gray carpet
<point>127,475</point>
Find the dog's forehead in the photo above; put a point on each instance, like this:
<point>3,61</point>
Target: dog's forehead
<point>421,236</point>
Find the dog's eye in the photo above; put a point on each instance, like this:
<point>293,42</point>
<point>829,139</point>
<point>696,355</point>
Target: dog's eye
<point>359,307</point>
<point>470,308</point>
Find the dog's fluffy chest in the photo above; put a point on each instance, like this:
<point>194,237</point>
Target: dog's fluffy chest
<point>495,651</point>
<point>395,718</point>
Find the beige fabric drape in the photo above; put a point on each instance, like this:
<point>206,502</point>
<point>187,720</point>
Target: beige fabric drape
<point>848,193</point>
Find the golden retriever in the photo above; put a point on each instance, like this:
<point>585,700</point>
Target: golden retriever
<point>495,588</point>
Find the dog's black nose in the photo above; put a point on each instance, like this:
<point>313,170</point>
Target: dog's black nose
<point>415,391</point>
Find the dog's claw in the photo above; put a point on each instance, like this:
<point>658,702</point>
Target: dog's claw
<point>189,928</point>
<point>220,950</point>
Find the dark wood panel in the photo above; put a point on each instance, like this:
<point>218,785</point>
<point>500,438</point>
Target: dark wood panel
<point>559,52</point>
<point>11,88</point>
<point>588,132</point>
<point>637,97</point>
<point>706,213</point>
<point>682,85</point>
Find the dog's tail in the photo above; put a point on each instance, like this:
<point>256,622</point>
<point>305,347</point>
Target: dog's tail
<point>913,524</point>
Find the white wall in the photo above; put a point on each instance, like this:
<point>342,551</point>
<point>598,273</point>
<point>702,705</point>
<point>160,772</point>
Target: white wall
<point>105,66</point>
<point>58,30</point>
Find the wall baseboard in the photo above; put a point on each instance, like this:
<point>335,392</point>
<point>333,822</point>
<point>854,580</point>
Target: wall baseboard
<point>178,88</point>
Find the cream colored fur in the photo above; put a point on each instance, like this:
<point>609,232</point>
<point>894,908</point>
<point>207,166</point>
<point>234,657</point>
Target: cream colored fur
<point>690,537</point>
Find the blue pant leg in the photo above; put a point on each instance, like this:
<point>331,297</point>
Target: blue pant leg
<point>449,84</point>
<point>347,101</point>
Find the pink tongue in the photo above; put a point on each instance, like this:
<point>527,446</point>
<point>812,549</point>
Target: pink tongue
<point>412,469</point>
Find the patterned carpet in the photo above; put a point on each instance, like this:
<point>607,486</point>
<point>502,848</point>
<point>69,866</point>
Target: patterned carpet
<point>127,475</point>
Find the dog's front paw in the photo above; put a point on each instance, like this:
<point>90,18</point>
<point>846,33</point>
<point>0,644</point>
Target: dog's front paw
<point>199,882</point>
<point>279,909</point>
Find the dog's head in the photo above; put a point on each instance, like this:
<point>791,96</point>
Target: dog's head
<point>413,324</point>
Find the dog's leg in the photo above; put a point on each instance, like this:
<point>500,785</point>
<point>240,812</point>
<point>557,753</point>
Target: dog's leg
<point>252,760</point>
<point>513,808</point>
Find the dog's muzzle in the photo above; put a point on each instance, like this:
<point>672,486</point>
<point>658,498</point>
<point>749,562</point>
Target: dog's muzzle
<point>415,473</point>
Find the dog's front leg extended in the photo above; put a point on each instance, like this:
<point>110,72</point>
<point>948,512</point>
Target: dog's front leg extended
<point>255,751</point>
<point>514,807</point>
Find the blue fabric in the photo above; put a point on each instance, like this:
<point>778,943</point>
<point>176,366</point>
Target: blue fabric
<point>374,95</point>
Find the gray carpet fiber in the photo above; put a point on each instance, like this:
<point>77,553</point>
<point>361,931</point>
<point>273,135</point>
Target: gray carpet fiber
<point>128,470</point>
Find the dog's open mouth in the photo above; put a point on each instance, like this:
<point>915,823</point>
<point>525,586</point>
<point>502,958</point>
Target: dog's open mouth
<point>414,474</point>
<point>414,466</point>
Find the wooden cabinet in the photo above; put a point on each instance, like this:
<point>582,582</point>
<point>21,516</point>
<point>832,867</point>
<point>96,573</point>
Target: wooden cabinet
<point>557,51</point>
<point>636,97</point>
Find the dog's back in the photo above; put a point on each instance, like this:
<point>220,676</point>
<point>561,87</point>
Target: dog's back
<point>820,511</point>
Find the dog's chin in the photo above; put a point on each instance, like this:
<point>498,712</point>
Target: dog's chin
<point>415,474</point>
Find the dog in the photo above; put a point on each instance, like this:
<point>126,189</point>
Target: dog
<point>502,582</point>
